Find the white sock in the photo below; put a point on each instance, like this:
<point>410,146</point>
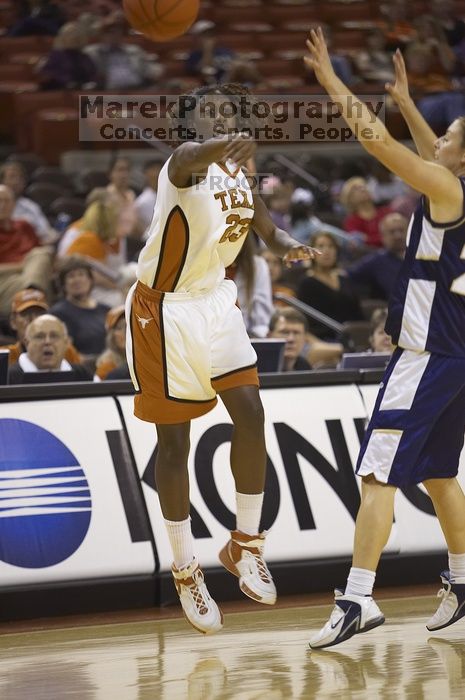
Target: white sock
<point>248,512</point>
<point>457,566</point>
<point>360,582</point>
<point>181,541</point>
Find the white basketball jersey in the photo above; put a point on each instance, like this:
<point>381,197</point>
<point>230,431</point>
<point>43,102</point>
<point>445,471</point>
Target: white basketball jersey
<point>196,231</point>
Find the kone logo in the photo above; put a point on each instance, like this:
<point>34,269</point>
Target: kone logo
<point>45,503</point>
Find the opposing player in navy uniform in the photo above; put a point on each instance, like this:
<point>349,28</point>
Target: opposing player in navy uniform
<point>416,432</point>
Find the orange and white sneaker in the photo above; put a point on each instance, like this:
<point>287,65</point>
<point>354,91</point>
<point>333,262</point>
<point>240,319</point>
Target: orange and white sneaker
<point>198,606</point>
<point>243,557</point>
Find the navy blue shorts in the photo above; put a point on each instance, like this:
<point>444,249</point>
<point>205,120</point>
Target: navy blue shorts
<point>417,428</point>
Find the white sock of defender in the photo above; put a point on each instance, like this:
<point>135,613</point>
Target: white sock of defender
<point>457,567</point>
<point>360,582</point>
<point>181,541</point>
<point>248,512</point>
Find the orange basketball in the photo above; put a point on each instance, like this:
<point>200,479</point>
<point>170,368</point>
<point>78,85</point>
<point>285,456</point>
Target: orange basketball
<point>161,20</point>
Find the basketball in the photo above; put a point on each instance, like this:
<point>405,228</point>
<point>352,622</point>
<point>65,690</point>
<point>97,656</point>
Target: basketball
<point>161,20</point>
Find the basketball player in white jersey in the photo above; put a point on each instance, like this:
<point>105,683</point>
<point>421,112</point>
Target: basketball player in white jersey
<point>187,343</point>
<point>416,432</point>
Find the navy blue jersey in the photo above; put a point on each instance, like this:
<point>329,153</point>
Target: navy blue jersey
<point>427,304</point>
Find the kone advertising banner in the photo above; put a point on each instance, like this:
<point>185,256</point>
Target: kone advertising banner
<point>312,495</point>
<point>63,481</point>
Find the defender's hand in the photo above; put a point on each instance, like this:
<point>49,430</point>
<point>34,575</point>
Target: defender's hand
<point>318,57</point>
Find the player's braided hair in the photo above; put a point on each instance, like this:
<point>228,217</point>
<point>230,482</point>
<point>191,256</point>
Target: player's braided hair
<point>235,93</point>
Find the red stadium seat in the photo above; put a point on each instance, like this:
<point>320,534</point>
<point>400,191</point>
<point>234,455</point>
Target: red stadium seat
<point>26,105</point>
<point>63,124</point>
<point>9,89</point>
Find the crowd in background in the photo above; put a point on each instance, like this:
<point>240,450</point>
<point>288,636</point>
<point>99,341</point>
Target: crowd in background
<point>91,50</point>
<point>62,289</point>
<point>69,241</point>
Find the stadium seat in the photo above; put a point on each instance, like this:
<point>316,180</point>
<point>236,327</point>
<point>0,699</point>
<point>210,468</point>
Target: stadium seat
<point>73,206</point>
<point>8,91</point>
<point>45,194</point>
<point>26,105</point>
<point>52,175</point>
<point>63,124</point>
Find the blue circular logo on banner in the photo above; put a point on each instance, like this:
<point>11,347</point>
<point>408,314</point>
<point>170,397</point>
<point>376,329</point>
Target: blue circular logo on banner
<point>45,502</point>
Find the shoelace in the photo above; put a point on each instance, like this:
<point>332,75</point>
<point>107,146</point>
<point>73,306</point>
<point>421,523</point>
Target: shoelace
<point>444,592</point>
<point>261,566</point>
<point>196,592</point>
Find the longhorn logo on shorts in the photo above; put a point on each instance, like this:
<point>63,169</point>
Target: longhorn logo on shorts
<point>45,502</point>
<point>143,321</point>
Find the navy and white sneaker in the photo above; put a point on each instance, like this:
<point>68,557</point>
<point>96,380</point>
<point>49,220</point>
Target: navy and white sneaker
<point>352,614</point>
<point>452,607</point>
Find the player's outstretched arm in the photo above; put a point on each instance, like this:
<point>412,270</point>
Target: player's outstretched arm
<point>440,185</point>
<point>422,133</point>
<point>278,241</point>
<point>194,158</point>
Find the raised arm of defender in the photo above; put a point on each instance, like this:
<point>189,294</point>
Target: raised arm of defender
<point>438,183</point>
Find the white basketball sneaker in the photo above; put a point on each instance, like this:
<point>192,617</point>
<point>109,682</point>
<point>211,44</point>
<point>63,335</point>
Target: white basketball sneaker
<point>198,606</point>
<point>352,614</point>
<point>243,557</point>
<point>452,607</point>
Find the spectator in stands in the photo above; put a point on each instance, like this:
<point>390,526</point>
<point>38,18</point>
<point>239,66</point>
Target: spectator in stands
<point>431,63</point>
<point>397,25</point>
<point>44,360</point>
<point>23,262</point>
<point>277,198</point>
<point>13,175</point>
<point>244,72</point>
<point>327,289</point>
<point>67,67</point>
<point>145,202</point>
<point>27,305</point>
<point>383,185</point>
<point>83,316</point>
<point>124,197</point>
<point>37,17</point>
<point>121,66</point>
<point>363,216</point>
<point>374,63</point>
<point>208,61</point>
<point>380,341</point>
<point>291,325</point>
<point>304,225</point>
<point>376,272</point>
<point>98,194</point>
<point>115,354</point>
<point>445,17</point>
<point>251,274</point>
<point>405,203</point>
<point>97,242</point>
<point>278,284</point>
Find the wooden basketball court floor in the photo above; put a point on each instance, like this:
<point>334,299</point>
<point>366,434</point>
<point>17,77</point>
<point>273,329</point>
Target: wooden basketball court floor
<point>261,654</point>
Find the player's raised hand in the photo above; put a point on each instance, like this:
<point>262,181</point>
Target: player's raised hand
<point>399,91</point>
<point>240,148</point>
<point>317,58</point>
<point>300,252</point>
